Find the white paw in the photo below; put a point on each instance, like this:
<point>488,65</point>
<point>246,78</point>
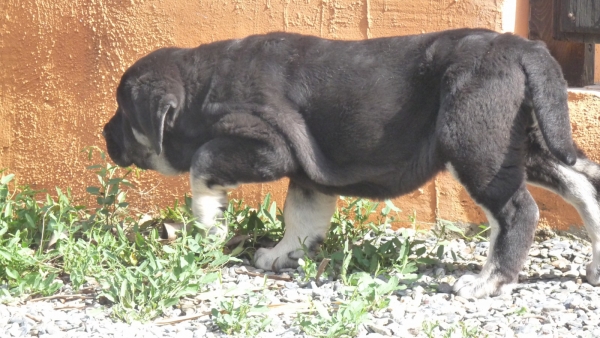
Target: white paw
<point>476,286</point>
<point>592,274</point>
<point>275,260</point>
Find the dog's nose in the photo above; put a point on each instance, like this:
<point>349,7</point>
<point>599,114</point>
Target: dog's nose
<point>104,133</point>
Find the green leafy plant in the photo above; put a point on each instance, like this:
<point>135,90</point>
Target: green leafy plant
<point>372,290</point>
<point>165,274</point>
<point>358,241</point>
<point>309,266</point>
<point>263,222</point>
<point>342,323</point>
<point>110,196</point>
<point>429,328</point>
<point>433,330</point>
<point>46,239</point>
<point>140,276</point>
<point>245,317</point>
<point>24,223</point>
<point>364,294</point>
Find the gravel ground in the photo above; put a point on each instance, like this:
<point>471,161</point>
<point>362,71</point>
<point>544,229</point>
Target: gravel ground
<point>552,300</point>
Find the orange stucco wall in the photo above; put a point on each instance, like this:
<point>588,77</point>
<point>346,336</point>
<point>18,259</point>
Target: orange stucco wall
<point>60,61</point>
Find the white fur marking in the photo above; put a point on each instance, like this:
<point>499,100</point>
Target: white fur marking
<point>485,276</point>
<point>583,196</point>
<point>306,218</point>
<point>157,162</point>
<point>162,165</point>
<point>141,138</point>
<point>587,167</point>
<point>207,202</point>
<point>452,171</point>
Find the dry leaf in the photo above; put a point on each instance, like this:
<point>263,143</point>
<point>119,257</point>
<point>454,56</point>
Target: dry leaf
<point>169,230</point>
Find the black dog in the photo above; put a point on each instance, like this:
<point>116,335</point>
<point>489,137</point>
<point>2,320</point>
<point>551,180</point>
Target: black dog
<point>374,118</point>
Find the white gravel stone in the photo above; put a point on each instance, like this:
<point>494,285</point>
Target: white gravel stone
<point>552,300</point>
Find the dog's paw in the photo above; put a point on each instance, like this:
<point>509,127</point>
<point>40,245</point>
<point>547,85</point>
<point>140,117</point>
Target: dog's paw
<point>592,274</point>
<point>476,286</point>
<point>274,260</point>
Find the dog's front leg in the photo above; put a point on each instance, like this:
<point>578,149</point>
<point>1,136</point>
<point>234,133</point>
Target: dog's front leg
<point>222,164</point>
<point>208,204</point>
<point>307,214</point>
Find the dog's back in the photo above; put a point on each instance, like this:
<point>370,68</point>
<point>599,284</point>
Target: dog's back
<point>375,118</point>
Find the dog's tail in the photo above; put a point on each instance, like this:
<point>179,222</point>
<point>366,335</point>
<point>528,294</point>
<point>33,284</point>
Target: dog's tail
<point>548,92</point>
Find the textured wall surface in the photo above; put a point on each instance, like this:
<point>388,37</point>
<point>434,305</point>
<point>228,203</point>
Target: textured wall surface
<point>60,62</point>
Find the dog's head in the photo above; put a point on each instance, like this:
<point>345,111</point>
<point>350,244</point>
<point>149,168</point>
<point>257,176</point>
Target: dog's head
<point>149,96</point>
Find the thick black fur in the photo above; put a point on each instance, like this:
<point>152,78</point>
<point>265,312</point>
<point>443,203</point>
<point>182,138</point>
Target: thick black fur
<point>375,118</point>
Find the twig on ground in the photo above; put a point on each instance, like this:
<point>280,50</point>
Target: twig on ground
<point>34,318</point>
<point>65,297</point>
<point>176,320</point>
<point>70,307</point>
<point>256,274</point>
<point>321,269</point>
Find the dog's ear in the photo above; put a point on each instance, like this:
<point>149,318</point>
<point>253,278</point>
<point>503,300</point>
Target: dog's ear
<point>156,102</point>
<point>159,110</point>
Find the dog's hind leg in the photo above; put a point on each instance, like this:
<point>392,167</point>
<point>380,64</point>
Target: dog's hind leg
<point>482,133</point>
<point>307,214</point>
<point>482,143</point>
<point>513,216</point>
<point>578,185</point>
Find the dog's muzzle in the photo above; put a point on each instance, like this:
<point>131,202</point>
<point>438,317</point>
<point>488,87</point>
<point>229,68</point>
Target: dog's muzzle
<point>115,148</point>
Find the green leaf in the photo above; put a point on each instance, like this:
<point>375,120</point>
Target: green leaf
<point>374,265</point>
<point>194,246</point>
<point>440,252</point>
<point>93,190</point>
<point>12,273</point>
<point>29,220</point>
<point>220,261</point>
<point>189,290</point>
<point>169,302</point>
<point>450,226</point>
<point>109,297</point>
<point>183,262</point>
<point>208,278</point>
<point>391,205</point>
<point>5,253</point>
<point>259,309</point>
<point>168,249</point>
<point>390,286</point>
<point>114,181</point>
<point>123,292</point>
<point>8,210</point>
<point>6,179</point>
<point>321,310</point>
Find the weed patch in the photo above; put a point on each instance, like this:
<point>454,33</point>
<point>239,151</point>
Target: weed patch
<point>48,242</point>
